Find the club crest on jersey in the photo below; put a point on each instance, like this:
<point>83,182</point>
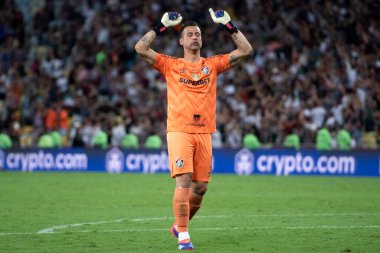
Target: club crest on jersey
<point>179,163</point>
<point>205,70</point>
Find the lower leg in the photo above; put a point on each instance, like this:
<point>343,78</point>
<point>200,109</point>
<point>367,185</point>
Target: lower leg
<point>181,206</point>
<point>195,204</point>
<point>198,189</point>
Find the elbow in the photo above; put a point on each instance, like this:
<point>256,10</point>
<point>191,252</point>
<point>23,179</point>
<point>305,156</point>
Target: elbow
<point>138,48</point>
<point>141,48</point>
<point>246,51</point>
<point>249,50</point>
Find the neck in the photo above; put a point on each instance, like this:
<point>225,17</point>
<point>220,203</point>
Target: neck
<point>192,55</point>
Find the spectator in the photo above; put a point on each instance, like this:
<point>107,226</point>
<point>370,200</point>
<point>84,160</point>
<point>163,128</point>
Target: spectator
<point>45,141</point>
<point>312,61</point>
<point>324,139</point>
<point>153,142</point>
<point>100,140</point>
<point>251,141</point>
<point>344,140</point>
<point>292,141</point>
<point>130,141</point>
<point>5,141</point>
<point>118,131</point>
<point>57,139</point>
<point>57,118</point>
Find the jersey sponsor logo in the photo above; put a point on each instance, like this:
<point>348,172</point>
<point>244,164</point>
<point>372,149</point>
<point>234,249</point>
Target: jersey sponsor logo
<point>196,121</point>
<point>195,124</point>
<point>179,163</point>
<point>194,83</point>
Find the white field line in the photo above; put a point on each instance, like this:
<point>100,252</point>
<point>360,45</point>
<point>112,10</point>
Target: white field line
<point>58,227</point>
<point>294,215</point>
<point>235,228</point>
<point>55,229</point>
<point>52,229</point>
<point>324,227</point>
<point>16,233</point>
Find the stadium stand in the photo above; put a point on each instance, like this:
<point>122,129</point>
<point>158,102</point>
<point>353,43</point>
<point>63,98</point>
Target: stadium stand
<point>316,65</point>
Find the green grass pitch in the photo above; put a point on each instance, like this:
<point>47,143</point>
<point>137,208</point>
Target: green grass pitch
<point>96,212</point>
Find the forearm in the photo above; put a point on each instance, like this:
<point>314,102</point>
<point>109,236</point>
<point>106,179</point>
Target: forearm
<point>143,48</point>
<point>144,44</point>
<point>241,43</point>
<point>243,49</point>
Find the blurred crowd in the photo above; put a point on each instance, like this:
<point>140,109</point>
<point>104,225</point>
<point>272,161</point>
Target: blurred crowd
<point>70,66</point>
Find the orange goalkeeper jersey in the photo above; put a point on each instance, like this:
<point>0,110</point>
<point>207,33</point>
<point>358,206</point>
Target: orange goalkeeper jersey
<point>191,91</point>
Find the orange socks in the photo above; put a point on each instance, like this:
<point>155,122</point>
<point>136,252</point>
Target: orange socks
<point>181,208</point>
<point>185,206</point>
<point>195,204</point>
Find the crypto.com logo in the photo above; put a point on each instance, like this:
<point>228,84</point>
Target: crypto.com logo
<point>244,162</point>
<point>2,160</point>
<point>115,161</point>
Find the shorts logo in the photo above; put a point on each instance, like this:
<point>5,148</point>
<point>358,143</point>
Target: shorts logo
<point>179,163</point>
<point>196,117</point>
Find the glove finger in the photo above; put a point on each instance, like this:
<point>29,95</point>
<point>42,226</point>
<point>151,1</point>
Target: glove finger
<point>178,20</point>
<point>212,13</point>
<point>174,15</point>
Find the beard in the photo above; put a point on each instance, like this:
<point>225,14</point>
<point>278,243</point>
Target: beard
<point>195,45</point>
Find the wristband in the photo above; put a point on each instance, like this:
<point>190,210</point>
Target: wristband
<point>230,28</point>
<point>160,28</point>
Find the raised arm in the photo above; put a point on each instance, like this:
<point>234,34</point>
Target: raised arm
<point>243,47</point>
<point>142,47</point>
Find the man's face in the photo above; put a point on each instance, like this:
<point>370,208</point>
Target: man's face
<point>191,38</point>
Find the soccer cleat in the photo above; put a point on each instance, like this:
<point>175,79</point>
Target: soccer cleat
<point>174,231</point>
<point>185,245</point>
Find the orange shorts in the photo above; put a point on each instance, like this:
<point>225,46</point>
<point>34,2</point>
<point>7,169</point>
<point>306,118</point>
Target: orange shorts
<point>190,153</point>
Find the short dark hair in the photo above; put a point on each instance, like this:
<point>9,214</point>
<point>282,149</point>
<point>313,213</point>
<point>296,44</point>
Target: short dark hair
<point>189,23</point>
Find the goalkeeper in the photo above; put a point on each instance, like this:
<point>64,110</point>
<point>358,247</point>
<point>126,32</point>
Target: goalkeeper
<point>191,94</point>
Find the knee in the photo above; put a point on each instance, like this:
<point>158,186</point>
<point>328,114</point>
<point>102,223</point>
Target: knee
<point>200,189</point>
<point>183,181</point>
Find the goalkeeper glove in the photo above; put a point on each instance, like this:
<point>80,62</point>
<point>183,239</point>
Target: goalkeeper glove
<point>222,17</point>
<point>167,20</point>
